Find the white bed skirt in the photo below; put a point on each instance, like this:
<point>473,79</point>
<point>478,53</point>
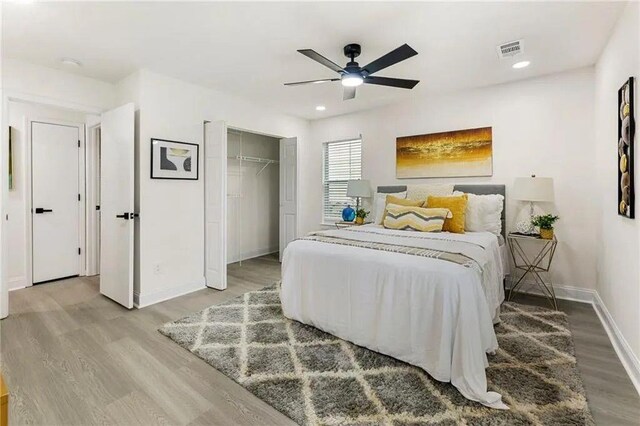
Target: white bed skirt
<point>426,312</point>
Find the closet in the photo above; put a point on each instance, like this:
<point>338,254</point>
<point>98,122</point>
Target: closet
<point>253,193</point>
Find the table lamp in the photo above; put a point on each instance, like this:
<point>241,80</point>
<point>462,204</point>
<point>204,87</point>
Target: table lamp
<point>534,190</point>
<point>358,189</point>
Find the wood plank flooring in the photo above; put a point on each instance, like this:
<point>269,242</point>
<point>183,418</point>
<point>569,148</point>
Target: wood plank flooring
<point>72,356</point>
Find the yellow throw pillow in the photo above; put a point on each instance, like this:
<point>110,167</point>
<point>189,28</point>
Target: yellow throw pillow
<point>400,202</point>
<point>409,218</point>
<point>458,207</point>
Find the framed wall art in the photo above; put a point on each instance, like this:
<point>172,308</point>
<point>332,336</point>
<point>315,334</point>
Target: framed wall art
<point>174,160</point>
<point>626,156</point>
<point>456,153</point>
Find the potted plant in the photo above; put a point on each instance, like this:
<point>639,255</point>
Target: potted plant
<point>545,223</point>
<point>361,215</point>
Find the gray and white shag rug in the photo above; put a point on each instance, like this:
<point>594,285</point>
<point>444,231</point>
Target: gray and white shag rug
<point>318,379</point>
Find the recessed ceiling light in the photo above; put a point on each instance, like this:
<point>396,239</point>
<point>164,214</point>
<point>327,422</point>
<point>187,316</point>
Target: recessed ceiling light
<point>71,62</point>
<point>521,64</point>
<point>320,108</point>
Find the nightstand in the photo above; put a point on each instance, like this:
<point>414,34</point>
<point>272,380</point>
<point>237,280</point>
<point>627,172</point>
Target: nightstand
<point>534,267</point>
<point>343,224</point>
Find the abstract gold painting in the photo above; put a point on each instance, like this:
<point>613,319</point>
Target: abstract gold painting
<point>457,153</point>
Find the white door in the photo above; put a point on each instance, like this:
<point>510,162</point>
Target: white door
<point>215,200</point>
<point>55,201</point>
<point>117,204</point>
<point>288,192</point>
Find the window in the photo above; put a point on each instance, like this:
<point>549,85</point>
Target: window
<point>342,162</point>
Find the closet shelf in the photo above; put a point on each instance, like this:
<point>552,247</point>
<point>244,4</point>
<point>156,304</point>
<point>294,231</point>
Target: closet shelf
<point>265,161</point>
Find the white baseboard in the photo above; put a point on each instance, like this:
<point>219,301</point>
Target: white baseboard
<point>17,283</point>
<point>564,292</point>
<point>143,300</point>
<point>251,254</point>
<point>629,360</point>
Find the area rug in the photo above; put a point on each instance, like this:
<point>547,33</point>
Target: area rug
<point>317,379</point>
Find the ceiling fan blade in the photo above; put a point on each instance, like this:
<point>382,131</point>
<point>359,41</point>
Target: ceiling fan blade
<point>393,82</point>
<point>312,54</point>
<point>400,54</point>
<point>324,80</point>
<point>348,93</point>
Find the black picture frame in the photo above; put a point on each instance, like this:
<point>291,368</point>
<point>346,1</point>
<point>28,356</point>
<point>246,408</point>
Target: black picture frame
<point>626,149</point>
<point>197,162</point>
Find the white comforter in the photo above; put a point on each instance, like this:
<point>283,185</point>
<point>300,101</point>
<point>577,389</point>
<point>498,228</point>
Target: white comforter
<point>428,312</point>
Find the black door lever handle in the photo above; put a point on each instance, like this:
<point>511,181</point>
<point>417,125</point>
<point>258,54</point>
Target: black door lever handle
<point>40,210</point>
<point>123,216</point>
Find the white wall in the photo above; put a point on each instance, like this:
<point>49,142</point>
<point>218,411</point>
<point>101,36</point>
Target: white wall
<point>542,126</point>
<point>17,203</point>
<point>49,86</point>
<point>172,212</point>
<point>252,218</point>
<point>618,272</point>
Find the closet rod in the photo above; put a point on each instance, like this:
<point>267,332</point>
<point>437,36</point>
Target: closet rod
<point>252,159</point>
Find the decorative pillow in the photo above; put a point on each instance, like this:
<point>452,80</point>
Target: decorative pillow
<point>422,191</point>
<point>401,202</point>
<point>483,213</point>
<point>380,201</point>
<point>410,218</point>
<point>458,207</point>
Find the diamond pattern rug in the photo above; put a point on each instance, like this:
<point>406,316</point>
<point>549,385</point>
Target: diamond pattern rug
<point>318,379</point>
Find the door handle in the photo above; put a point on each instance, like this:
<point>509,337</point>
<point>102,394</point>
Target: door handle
<point>123,216</point>
<point>40,210</point>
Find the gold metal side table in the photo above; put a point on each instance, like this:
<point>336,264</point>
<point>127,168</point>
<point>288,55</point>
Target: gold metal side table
<point>541,263</point>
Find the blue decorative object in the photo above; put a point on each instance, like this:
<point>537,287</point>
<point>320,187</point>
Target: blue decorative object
<point>348,214</point>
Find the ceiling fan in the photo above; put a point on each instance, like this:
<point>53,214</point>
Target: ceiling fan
<point>353,75</point>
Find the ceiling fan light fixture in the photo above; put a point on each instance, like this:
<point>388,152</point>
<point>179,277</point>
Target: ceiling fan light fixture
<point>352,80</point>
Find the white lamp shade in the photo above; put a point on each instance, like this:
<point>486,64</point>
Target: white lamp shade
<point>358,188</point>
<point>538,189</point>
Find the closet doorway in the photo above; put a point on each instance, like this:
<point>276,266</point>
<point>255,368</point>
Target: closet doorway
<point>253,192</point>
<point>250,197</point>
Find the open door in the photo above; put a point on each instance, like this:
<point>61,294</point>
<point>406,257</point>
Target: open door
<point>117,204</point>
<point>215,202</point>
<point>288,192</point>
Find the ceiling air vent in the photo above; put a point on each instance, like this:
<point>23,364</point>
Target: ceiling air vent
<point>510,49</point>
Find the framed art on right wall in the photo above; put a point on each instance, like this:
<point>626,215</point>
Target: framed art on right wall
<point>626,158</point>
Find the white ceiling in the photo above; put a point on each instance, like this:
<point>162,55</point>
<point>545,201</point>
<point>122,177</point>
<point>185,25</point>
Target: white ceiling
<point>250,48</point>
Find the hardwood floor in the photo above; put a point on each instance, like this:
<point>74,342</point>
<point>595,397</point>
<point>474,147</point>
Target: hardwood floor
<point>72,356</point>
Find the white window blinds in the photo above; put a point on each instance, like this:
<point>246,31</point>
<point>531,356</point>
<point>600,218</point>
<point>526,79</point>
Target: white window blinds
<point>342,162</point>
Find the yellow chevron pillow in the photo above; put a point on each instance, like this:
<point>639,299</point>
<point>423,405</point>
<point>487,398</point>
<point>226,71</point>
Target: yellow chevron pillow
<point>458,207</point>
<point>411,218</point>
<point>400,202</point>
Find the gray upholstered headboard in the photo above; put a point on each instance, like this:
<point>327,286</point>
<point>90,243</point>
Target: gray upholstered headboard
<point>478,189</point>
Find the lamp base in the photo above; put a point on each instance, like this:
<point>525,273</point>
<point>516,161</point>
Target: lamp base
<point>525,227</point>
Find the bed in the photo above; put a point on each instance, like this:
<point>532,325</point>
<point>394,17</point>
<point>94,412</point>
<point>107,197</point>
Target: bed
<point>429,299</point>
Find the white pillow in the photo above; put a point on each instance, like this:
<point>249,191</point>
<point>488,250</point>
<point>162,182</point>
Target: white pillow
<point>380,201</point>
<point>483,213</point>
<point>422,190</point>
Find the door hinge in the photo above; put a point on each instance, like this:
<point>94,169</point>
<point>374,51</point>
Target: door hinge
<point>79,251</point>
<point>78,143</point>
<point>78,197</point>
